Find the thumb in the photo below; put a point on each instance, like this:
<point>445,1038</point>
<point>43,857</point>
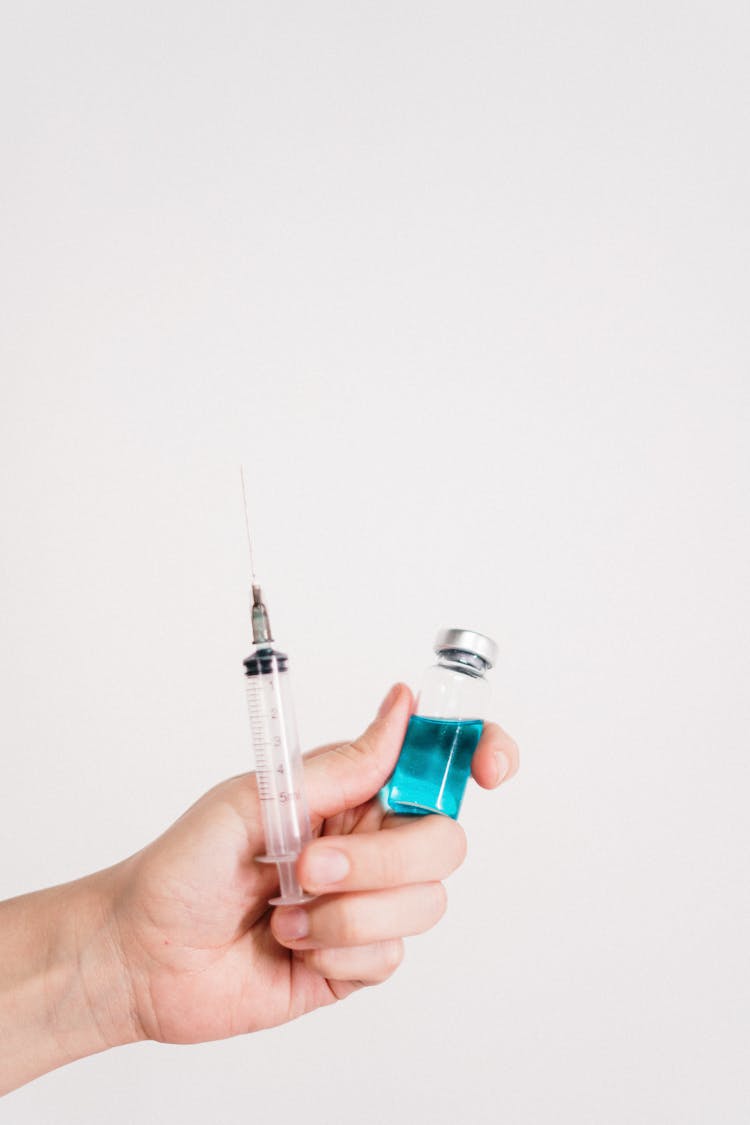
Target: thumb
<point>349,773</point>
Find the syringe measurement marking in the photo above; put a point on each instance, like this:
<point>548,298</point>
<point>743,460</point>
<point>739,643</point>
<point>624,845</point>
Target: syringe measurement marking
<point>262,747</point>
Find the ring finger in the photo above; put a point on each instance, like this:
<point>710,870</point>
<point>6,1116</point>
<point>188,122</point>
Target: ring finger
<point>366,964</point>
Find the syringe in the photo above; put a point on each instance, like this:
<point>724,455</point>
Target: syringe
<point>278,759</point>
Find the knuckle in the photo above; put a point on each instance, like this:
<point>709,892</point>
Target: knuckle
<point>440,898</point>
<point>349,924</point>
<point>356,748</point>
<point>459,845</point>
<point>391,859</point>
<point>318,960</point>
<point>345,750</point>
<point>453,842</point>
<point>393,955</point>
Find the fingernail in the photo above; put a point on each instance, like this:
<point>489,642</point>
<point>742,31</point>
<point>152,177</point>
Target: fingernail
<point>502,762</point>
<point>292,924</point>
<point>388,702</point>
<point>326,865</point>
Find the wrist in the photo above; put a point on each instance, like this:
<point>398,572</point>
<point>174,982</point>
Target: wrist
<point>93,1005</point>
<point>64,986</point>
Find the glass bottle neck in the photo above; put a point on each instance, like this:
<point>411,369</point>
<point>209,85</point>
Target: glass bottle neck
<point>458,661</point>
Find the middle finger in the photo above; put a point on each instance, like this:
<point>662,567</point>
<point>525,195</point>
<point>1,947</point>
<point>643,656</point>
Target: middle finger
<point>360,918</point>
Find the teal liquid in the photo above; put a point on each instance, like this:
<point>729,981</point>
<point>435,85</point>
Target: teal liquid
<point>433,766</point>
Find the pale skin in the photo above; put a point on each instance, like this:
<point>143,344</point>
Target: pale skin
<point>178,943</point>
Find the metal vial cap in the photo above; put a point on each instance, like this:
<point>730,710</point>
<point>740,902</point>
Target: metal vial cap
<point>466,640</point>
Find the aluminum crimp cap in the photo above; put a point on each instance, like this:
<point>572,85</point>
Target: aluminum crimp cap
<point>466,640</point>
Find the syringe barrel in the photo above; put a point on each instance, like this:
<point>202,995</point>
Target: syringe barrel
<point>278,759</point>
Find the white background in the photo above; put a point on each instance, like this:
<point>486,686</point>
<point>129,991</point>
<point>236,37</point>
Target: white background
<point>465,286</point>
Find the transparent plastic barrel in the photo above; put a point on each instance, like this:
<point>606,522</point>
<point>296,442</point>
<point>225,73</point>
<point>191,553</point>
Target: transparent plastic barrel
<point>279,771</point>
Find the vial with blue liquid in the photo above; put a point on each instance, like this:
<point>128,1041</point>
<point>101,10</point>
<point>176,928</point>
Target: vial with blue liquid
<point>435,760</point>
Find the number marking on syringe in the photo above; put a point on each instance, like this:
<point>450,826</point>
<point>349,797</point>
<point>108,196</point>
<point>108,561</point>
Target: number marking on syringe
<point>264,745</point>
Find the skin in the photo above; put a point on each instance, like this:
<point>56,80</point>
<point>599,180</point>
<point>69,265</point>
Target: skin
<point>178,943</point>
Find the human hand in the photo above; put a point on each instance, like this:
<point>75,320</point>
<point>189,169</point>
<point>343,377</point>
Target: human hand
<point>178,942</point>
<point>205,955</point>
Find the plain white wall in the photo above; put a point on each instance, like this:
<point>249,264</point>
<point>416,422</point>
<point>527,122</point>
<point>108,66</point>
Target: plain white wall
<point>465,286</point>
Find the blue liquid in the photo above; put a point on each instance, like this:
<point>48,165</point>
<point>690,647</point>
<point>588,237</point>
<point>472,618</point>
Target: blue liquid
<point>433,766</point>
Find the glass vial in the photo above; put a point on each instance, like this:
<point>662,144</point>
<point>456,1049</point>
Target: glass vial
<point>435,760</point>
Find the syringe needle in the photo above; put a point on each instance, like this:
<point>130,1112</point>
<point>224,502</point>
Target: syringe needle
<point>247,528</point>
<point>258,613</point>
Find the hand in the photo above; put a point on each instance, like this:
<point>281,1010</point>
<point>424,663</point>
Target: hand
<point>178,942</point>
<point>205,955</point>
